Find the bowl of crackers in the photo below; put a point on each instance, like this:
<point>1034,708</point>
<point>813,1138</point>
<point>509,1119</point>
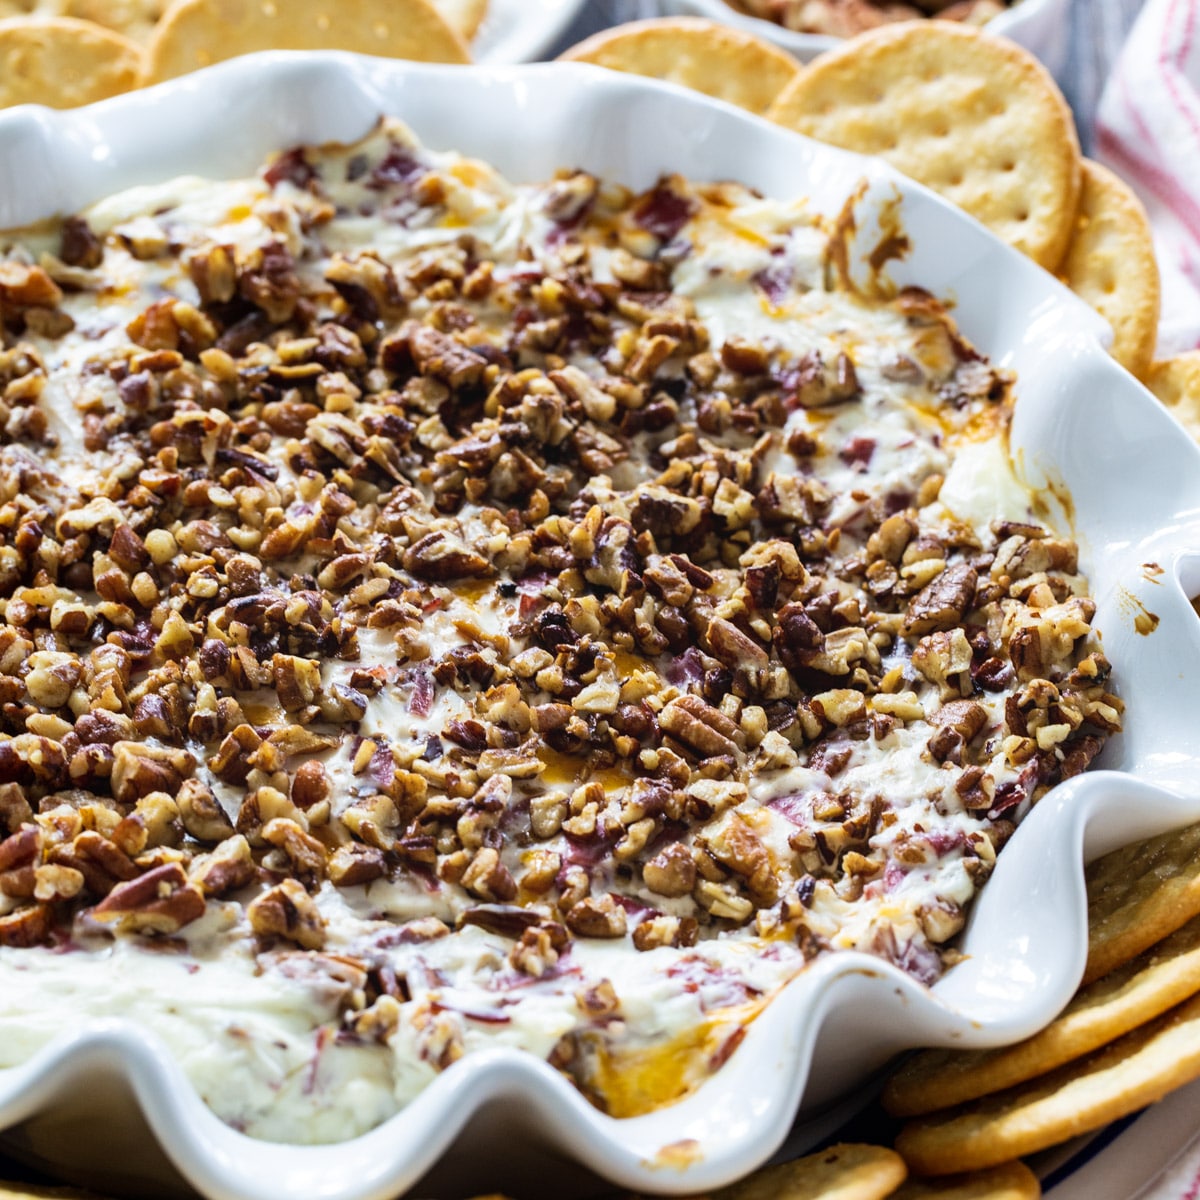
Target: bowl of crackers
<point>805,29</point>
<point>1102,457</point>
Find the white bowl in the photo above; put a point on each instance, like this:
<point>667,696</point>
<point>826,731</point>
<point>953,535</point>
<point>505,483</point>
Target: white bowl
<point>516,31</point>
<point>1043,27</point>
<point>1081,423</point>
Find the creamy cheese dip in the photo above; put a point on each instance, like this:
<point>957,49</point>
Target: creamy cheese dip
<point>440,614</point>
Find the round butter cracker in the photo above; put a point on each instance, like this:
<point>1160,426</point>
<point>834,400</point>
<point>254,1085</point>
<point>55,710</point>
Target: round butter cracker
<point>1139,894</point>
<point>133,18</point>
<point>1110,263</point>
<point>63,63</point>
<point>707,57</point>
<point>1176,382</point>
<point>1010,1181</point>
<point>971,116</point>
<point>1140,990</point>
<point>844,1172</point>
<point>198,33</point>
<point>1134,1071</point>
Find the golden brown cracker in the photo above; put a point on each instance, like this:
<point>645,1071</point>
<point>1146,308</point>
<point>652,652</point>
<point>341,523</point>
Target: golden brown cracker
<point>464,15</point>
<point>197,33</point>
<point>63,63</point>
<point>1138,895</point>
<point>133,18</point>
<point>1010,1181</point>
<point>849,1171</point>
<point>1134,993</point>
<point>1132,1072</point>
<point>974,117</point>
<point>1110,263</point>
<point>136,19</point>
<point>718,60</point>
<point>1176,382</point>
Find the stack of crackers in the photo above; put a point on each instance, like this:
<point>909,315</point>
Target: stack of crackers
<point>1130,1035</point>
<point>64,53</point>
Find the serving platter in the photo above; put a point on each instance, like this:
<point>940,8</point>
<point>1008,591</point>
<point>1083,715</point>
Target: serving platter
<point>1083,429</point>
<point>1138,1156</point>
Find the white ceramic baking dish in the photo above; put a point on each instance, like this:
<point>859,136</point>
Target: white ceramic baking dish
<point>1082,424</point>
<point>1043,27</point>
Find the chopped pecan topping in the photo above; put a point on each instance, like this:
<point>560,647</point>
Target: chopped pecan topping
<point>287,911</point>
<point>734,648</point>
<point>443,357</point>
<point>699,726</point>
<point>160,901</point>
<point>25,927</point>
<point>943,602</point>
<point>229,867</point>
<point>139,769</point>
<point>440,556</point>
<point>965,717</point>
<point>488,878</point>
<point>672,872</point>
<point>597,917</point>
<point>352,866</point>
<point>23,286</point>
<point>80,247</point>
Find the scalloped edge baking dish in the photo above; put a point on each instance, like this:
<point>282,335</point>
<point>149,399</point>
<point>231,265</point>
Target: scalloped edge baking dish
<point>1081,424</point>
<point>1043,27</point>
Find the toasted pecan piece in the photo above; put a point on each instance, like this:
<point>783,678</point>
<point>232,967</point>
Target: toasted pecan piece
<point>700,727</point>
<point>160,901</point>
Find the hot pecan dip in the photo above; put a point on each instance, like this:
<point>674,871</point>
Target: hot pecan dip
<point>439,614</point>
<point>845,18</point>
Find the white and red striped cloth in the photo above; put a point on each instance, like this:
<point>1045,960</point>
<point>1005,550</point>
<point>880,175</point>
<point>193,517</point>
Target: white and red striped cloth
<point>1148,130</point>
<point>1181,1181</point>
